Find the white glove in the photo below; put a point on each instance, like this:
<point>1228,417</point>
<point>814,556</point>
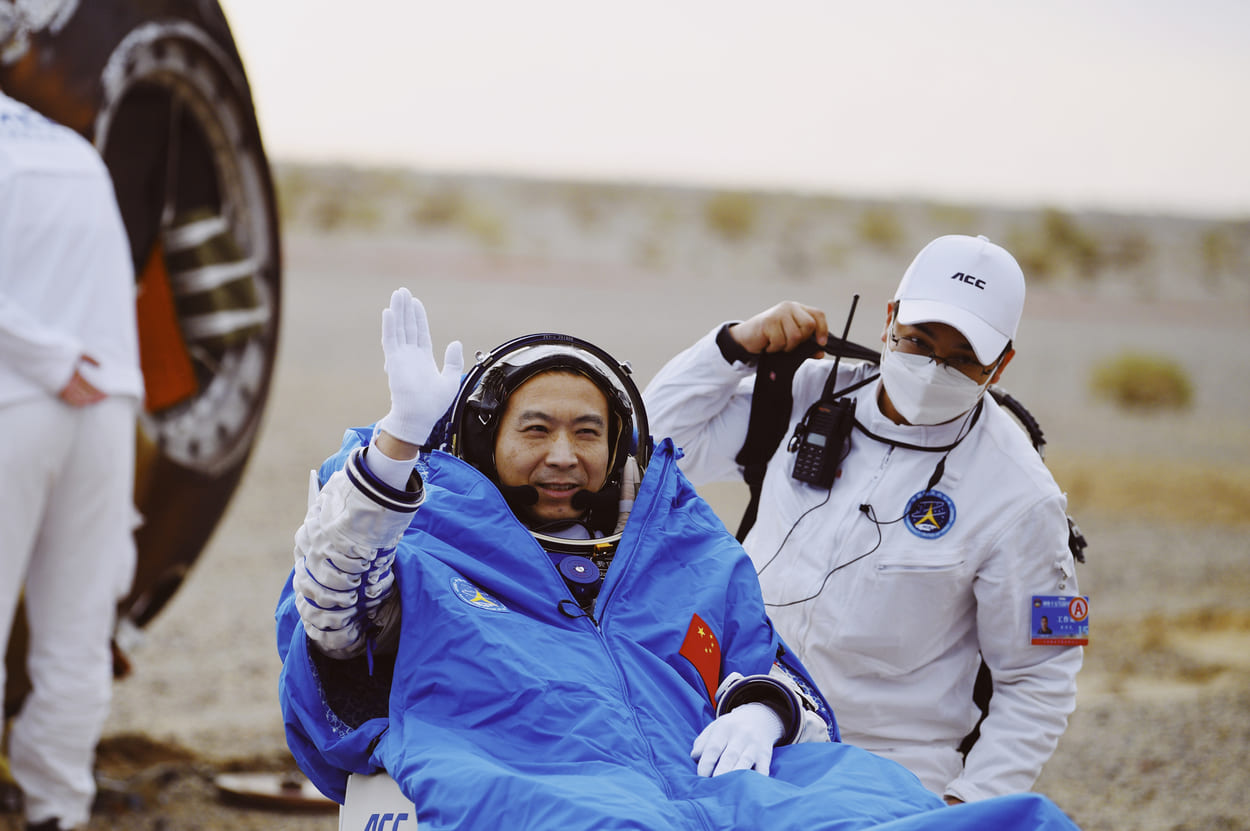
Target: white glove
<point>739,740</point>
<point>420,394</point>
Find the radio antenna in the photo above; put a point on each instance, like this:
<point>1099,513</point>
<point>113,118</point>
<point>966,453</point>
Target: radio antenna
<point>846,331</point>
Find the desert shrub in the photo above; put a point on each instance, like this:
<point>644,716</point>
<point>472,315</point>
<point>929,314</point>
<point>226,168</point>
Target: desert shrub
<point>1130,250</point>
<point>439,208</point>
<point>1142,382</point>
<point>946,215</point>
<point>1039,262</point>
<point>648,253</point>
<point>1057,246</point>
<point>589,204</point>
<point>333,209</point>
<point>292,188</point>
<point>327,213</point>
<point>485,226</point>
<point>880,228</point>
<point>1219,253</point>
<point>834,255</point>
<point>731,214</point>
<point>793,257</point>
<point>1081,249</point>
<point>329,198</point>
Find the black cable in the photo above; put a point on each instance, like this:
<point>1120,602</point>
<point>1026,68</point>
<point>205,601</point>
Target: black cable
<point>828,493</point>
<point>970,420</point>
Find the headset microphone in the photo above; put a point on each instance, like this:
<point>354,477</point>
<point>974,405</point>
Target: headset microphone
<point>519,496</point>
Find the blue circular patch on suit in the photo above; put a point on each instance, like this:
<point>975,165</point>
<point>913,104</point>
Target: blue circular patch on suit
<point>474,596</point>
<point>929,514</point>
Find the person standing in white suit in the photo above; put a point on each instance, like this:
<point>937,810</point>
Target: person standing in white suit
<point>70,388</point>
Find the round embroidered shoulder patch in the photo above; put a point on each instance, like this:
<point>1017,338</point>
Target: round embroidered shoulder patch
<point>929,514</point>
<point>474,596</point>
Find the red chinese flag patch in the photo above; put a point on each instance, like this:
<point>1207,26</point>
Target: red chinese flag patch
<point>703,650</point>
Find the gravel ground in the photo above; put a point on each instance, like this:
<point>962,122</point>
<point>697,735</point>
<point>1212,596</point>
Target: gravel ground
<point>1163,715</point>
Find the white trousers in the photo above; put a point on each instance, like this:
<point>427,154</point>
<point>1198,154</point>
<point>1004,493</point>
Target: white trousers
<point>66,539</point>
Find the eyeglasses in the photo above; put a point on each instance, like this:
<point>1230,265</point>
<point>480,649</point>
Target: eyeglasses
<point>963,364</point>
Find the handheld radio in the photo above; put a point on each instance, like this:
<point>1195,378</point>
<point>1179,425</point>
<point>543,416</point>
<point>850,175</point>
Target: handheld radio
<point>823,438</point>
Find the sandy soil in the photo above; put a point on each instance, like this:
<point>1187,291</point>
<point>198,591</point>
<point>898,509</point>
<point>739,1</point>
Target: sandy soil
<point>1163,717</point>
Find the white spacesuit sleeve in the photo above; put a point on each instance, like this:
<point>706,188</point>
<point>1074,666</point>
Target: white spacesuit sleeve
<point>344,586</point>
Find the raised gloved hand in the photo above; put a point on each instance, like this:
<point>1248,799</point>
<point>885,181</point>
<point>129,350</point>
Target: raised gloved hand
<point>738,740</point>
<point>420,393</point>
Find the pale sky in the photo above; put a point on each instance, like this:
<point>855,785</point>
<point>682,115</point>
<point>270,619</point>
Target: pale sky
<point>1137,105</point>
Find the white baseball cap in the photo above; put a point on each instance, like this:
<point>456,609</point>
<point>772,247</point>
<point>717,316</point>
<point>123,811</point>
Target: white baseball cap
<point>968,283</point>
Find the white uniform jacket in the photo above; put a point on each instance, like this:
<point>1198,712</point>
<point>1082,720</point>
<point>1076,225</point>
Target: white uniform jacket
<point>892,636</point>
<point>58,302</point>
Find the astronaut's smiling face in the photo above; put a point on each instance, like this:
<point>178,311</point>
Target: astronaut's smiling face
<point>554,436</point>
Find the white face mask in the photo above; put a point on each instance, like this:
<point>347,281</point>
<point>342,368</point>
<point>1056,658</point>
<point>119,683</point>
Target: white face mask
<point>924,392</point>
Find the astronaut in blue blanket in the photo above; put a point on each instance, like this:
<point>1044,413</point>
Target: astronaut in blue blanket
<point>527,632</point>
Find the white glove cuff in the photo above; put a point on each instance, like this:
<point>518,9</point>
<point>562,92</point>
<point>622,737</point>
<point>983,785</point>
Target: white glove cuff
<point>737,690</point>
<point>373,513</point>
<point>412,429</point>
<point>395,473</point>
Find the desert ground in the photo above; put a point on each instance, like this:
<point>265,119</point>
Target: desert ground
<point>1158,740</point>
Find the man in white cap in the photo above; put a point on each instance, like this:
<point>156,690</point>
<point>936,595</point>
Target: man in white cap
<point>914,532</point>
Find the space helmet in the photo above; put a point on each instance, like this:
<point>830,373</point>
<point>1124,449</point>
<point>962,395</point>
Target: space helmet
<point>482,400</point>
